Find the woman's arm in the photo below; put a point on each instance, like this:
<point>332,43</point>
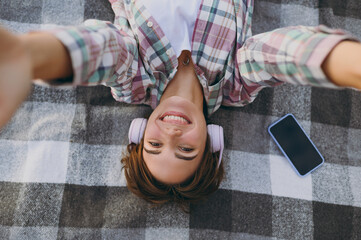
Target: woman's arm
<point>343,65</point>
<point>93,53</point>
<point>300,55</point>
<point>49,57</point>
<point>23,58</point>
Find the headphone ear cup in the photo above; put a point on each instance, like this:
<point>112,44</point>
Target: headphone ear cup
<point>215,133</point>
<point>136,130</point>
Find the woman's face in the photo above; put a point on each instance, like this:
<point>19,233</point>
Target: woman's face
<point>174,140</point>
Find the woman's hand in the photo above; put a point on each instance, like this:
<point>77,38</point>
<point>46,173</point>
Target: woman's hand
<point>15,75</point>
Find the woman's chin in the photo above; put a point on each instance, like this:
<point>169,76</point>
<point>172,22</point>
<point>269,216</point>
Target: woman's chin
<point>179,104</point>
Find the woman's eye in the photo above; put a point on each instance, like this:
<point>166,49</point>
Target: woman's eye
<point>155,144</point>
<point>184,149</point>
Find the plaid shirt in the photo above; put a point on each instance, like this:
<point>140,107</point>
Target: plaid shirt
<point>135,59</point>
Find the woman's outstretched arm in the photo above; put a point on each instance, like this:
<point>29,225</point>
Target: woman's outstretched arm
<point>49,57</point>
<point>300,55</point>
<point>23,58</point>
<point>343,65</point>
<point>93,53</point>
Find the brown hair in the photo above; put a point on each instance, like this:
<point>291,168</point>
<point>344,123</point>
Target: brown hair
<point>140,181</point>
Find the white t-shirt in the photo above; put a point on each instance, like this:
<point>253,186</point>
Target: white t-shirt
<point>177,19</point>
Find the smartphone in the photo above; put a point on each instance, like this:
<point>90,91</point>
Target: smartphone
<point>296,145</point>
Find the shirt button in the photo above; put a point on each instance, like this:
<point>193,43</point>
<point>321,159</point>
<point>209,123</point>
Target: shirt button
<point>168,52</point>
<point>150,24</point>
<point>204,84</point>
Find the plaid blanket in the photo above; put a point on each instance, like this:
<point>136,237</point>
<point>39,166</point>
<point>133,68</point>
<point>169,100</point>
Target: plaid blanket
<point>60,172</point>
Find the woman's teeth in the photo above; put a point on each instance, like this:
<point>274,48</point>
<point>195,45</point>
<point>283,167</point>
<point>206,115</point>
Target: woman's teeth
<point>175,118</point>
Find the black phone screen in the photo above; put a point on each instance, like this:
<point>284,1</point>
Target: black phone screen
<point>296,145</point>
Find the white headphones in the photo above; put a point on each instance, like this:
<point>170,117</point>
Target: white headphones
<point>215,132</point>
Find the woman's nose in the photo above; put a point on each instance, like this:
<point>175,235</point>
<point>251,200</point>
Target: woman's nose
<point>173,131</point>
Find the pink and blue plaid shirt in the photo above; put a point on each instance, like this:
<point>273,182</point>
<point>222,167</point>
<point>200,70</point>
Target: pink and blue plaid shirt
<point>135,59</point>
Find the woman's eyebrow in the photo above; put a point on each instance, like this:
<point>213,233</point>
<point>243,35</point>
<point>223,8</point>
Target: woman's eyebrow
<point>152,151</point>
<point>184,157</point>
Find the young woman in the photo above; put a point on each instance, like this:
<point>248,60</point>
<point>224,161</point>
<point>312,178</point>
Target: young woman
<point>185,60</point>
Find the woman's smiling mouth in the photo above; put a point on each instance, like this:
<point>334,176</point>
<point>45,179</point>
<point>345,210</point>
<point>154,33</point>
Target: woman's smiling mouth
<point>175,118</point>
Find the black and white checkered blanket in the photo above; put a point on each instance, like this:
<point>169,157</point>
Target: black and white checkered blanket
<point>60,172</point>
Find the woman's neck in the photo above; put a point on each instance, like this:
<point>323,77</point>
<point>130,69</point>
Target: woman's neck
<point>185,82</point>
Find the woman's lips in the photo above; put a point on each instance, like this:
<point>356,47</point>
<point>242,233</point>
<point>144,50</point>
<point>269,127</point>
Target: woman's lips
<point>172,118</point>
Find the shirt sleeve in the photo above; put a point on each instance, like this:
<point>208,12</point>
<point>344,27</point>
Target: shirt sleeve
<point>101,52</point>
<point>292,54</point>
